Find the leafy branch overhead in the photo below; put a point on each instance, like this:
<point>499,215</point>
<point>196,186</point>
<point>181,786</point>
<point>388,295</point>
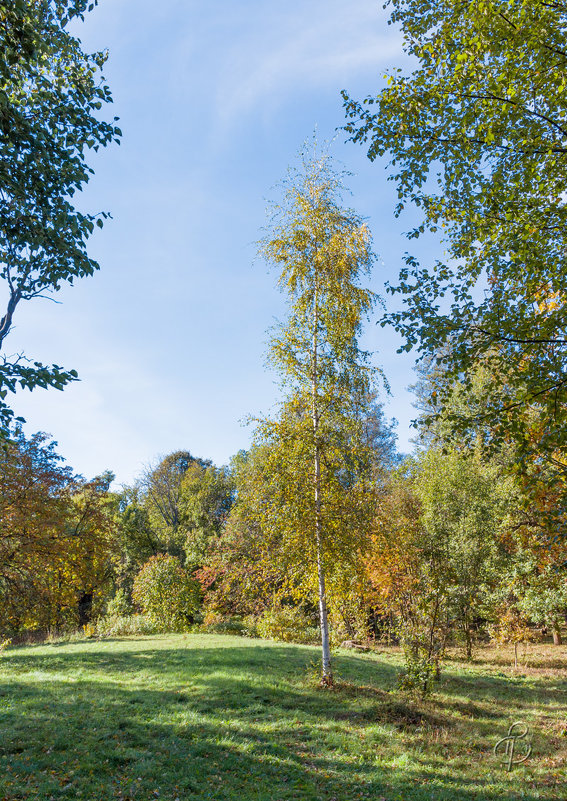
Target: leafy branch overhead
<point>51,93</point>
<point>476,139</point>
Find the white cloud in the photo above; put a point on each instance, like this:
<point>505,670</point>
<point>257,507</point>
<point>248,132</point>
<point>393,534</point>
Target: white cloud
<point>323,46</point>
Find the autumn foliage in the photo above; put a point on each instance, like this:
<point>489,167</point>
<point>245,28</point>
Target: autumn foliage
<point>56,539</point>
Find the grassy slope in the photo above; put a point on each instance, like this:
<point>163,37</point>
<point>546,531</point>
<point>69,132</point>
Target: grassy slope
<point>209,717</point>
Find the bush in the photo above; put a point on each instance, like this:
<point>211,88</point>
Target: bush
<point>166,593</point>
<point>119,605</point>
<point>215,623</point>
<point>420,674</point>
<point>348,623</point>
<point>287,624</point>
<point>250,623</point>
<point>423,642</point>
<point>124,626</point>
<point>89,630</point>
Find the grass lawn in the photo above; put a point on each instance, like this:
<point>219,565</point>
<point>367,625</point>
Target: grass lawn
<point>227,718</point>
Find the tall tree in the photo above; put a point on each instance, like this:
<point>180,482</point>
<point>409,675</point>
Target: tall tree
<point>51,93</point>
<point>35,491</point>
<point>244,571</point>
<point>465,506</point>
<point>185,500</point>
<point>319,456</point>
<point>57,537</point>
<point>207,494</point>
<point>437,554</point>
<point>162,490</point>
<point>90,555</point>
<point>476,137</point>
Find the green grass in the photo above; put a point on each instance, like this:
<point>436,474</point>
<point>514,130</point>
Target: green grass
<point>230,719</point>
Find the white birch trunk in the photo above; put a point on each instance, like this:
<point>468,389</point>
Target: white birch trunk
<point>327,676</point>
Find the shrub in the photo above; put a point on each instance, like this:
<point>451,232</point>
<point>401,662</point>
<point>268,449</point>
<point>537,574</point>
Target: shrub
<point>89,630</point>
<point>124,626</point>
<point>250,624</point>
<point>166,593</point>
<point>420,674</point>
<point>119,605</point>
<point>423,645</point>
<point>215,623</point>
<point>348,622</point>
<point>512,627</point>
<point>287,624</point>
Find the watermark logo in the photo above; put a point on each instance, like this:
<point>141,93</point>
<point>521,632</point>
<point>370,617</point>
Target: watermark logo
<point>514,747</point>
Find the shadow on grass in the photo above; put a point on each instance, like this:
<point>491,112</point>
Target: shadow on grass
<point>225,723</point>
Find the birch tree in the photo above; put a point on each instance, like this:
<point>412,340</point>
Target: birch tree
<point>320,468</point>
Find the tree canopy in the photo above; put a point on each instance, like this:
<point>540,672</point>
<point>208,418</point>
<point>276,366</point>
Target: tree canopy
<point>51,93</point>
<point>475,135</point>
<point>57,540</point>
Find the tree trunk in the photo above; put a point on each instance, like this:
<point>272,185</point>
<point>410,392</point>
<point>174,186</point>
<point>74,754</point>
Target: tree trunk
<point>556,632</point>
<point>85,607</point>
<point>468,637</point>
<point>327,675</point>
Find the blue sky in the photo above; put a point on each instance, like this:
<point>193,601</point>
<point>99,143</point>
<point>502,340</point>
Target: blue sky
<point>169,338</point>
